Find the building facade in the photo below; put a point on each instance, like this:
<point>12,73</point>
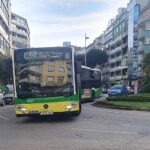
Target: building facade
<point>125,40</point>
<point>20,33</point>
<point>134,9</point>
<point>144,39</point>
<point>5,13</point>
<point>116,46</point>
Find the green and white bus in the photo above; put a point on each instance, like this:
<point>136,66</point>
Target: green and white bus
<point>90,83</point>
<point>45,81</point>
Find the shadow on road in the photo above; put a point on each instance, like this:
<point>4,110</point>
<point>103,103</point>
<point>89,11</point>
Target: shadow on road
<point>47,119</point>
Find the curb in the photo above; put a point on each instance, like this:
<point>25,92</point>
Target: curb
<point>103,104</point>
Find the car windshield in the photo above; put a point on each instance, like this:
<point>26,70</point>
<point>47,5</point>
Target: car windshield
<point>10,92</point>
<point>43,73</point>
<point>116,87</point>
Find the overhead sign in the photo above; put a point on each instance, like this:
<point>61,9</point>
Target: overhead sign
<point>43,55</point>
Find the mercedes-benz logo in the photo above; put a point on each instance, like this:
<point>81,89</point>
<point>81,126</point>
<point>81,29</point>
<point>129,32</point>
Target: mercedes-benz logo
<point>46,106</point>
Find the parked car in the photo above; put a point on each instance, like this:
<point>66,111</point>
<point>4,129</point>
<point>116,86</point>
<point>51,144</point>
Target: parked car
<point>130,90</point>
<point>118,90</point>
<point>9,98</point>
<point>2,102</point>
<point>104,90</point>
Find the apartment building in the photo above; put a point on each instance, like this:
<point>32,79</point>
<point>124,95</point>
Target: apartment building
<point>20,33</point>
<point>5,22</point>
<point>144,39</point>
<point>116,46</point>
<point>134,10</point>
<point>125,40</point>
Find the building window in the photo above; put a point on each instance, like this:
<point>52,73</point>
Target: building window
<point>3,43</point>
<point>4,9</point>
<point>147,26</point>
<point>147,41</point>
<point>61,69</point>
<point>60,79</point>
<point>51,79</point>
<point>51,68</point>
<point>4,26</point>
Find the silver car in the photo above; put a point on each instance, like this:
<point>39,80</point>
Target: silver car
<point>2,102</point>
<point>9,98</point>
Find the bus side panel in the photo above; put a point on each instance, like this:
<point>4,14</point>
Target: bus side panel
<point>98,93</point>
<point>85,94</point>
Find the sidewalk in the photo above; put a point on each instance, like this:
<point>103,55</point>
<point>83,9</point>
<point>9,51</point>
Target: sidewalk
<point>103,98</point>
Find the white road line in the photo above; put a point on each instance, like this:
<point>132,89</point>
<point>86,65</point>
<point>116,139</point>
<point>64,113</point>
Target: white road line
<point>104,131</point>
<point>4,118</point>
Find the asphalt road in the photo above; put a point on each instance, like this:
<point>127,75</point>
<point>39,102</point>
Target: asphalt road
<point>95,129</point>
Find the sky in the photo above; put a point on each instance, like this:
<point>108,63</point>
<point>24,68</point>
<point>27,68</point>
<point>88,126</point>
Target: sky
<point>52,22</point>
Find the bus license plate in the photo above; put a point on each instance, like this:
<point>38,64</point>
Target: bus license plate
<point>46,113</point>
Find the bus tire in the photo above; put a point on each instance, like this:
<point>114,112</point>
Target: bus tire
<point>93,97</point>
<point>17,116</point>
<point>77,113</point>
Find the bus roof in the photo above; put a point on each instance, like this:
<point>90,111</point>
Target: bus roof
<point>44,48</point>
<point>88,68</point>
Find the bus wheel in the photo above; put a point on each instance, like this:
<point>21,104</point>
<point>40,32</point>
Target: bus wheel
<point>93,97</point>
<point>77,113</point>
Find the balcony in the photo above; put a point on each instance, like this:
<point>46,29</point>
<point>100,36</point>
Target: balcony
<point>20,40</point>
<point>23,25</point>
<point>124,77</point>
<point>141,35</point>
<point>3,32</point>
<point>118,39</point>
<point>2,51</point>
<point>118,68</point>
<point>115,78</point>
<point>113,60</point>
<point>125,45</point>
<point>4,17</point>
<point>118,49</point>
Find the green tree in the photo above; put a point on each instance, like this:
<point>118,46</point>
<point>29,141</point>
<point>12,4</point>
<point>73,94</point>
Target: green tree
<point>94,57</point>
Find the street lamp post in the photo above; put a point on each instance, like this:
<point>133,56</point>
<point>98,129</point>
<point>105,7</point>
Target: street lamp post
<point>85,47</point>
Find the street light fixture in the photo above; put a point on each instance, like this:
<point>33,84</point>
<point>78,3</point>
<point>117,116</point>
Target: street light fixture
<point>85,47</point>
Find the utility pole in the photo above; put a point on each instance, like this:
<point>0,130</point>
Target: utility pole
<point>85,47</point>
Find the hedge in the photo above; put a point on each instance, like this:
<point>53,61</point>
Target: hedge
<point>135,98</point>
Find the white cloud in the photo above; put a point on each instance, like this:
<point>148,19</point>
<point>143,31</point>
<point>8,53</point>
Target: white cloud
<point>51,29</point>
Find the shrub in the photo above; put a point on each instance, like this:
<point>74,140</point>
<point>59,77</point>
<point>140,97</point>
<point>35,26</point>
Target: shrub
<point>135,98</point>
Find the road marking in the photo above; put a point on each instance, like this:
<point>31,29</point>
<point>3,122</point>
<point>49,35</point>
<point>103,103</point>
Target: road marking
<point>4,118</point>
<point>105,131</point>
